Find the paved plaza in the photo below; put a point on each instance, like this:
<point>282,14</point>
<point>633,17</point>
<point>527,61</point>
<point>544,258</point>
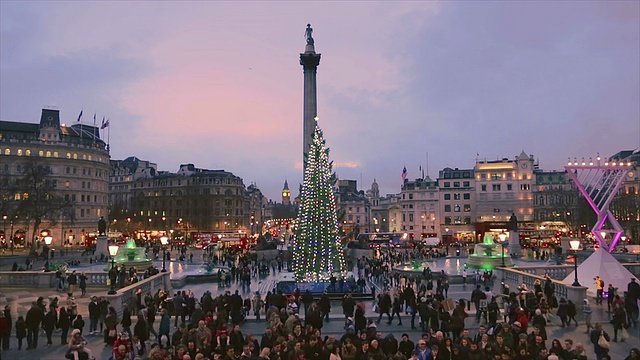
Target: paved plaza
<point>263,284</point>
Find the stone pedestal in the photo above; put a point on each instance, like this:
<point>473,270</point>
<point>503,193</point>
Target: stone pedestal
<point>514,244</point>
<point>101,246</point>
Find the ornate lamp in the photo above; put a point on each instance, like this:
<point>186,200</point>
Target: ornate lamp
<point>164,240</point>
<point>575,245</point>
<point>113,250</point>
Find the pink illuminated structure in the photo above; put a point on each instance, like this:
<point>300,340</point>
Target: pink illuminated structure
<point>599,184</point>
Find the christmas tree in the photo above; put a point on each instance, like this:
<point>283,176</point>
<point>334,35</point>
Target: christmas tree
<point>317,251</point>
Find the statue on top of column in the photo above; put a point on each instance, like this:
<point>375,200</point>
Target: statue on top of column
<point>308,35</point>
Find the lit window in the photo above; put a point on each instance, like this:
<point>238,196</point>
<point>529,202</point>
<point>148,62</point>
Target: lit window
<point>48,153</point>
<point>27,152</point>
<point>55,154</point>
<point>40,153</point>
<point>84,157</point>
<point>68,155</point>
<point>19,152</point>
<point>75,156</point>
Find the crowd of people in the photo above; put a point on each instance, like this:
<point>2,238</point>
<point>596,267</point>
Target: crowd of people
<point>511,325</point>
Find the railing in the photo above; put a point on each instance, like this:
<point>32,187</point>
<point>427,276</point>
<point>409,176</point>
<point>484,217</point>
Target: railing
<point>514,277</point>
<point>126,295</point>
<point>41,279</point>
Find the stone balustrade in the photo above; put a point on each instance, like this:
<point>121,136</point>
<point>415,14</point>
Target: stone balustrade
<point>41,279</point>
<point>126,295</point>
<point>514,277</point>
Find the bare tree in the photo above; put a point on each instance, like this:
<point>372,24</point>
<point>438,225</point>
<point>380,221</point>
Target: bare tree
<point>37,197</point>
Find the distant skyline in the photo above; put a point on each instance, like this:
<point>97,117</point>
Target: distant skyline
<point>219,85</point>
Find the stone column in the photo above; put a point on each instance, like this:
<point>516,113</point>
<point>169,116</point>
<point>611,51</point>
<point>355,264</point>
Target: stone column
<point>514,244</point>
<point>309,61</point>
<point>101,246</point>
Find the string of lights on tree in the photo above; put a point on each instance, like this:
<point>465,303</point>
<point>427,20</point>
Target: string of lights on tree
<point>317,251</point>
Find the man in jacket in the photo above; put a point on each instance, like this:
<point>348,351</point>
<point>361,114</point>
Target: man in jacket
<point>35,316</point>
<point>94,315</point>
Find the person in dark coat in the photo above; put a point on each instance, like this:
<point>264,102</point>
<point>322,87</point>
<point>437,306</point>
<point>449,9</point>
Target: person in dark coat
<point>126,320</point>
<point>35,315</point>
<point>49,324</point>
<point>6,335</point>
<point>141,329</point>
<point>21,331</point>
<point>325,305</point>
<point>78,323</point>
<point>64,322</point>
<point>594,336</point>
<point>384,306</point>
<point>360,321</point>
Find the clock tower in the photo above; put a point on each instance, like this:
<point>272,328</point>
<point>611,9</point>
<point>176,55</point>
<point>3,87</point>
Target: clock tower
<point>286,194</point>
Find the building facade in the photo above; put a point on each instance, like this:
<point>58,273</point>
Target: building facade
<point>419,203</point>
<point>79,172</point>
<point>123,174</point>
<point>353,207</point>
<point>456,190</point>
<point>194,200</point>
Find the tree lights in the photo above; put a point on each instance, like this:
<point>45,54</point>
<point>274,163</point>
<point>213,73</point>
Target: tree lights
<point>317,252</point>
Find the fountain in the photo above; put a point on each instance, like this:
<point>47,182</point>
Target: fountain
<point>489,255</point>
<point>132,256</point>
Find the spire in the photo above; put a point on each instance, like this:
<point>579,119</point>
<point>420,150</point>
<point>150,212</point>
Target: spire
<point>286,185</point>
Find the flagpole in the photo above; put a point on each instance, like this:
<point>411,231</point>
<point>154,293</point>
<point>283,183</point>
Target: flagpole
<point>108,136</point>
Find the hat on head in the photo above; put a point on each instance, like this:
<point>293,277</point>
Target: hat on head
<point>517,323</point>
<point>75,331</point>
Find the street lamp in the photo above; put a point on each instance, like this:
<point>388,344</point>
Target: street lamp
<point>47,240</point>
<point>113,250</point>
<point>164,240</point>
<point>575,244</point>
<point>502,236</point>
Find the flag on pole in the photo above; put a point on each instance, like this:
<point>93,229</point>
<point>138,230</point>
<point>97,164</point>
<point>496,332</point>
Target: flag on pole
<point>102,124</point>
<point>404,173</point>
<point>94,119</point>
<point>105,124</point>
<point>80,116</point>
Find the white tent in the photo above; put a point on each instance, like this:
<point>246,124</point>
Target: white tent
<point>601,263</point>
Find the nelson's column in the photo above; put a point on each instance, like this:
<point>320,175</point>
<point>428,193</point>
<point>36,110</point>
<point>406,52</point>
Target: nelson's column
<point>309,61</point>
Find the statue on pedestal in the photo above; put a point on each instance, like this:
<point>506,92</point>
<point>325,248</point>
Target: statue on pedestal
<point>102,226</point>
<point>513,222</point>
<point>308,33</point>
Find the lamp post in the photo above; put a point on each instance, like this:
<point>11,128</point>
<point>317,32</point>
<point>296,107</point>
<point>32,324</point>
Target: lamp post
<point>113,250</point>
<point>502,236</point>
<point>575,244</point>
<point>164,240</point>
<point>48,239</point>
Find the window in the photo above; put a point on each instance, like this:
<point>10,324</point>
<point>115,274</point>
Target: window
<point>19,152</point>
<point>483,176</point>
<point>411,217</point>
<point>524,187</point>
<point>447,196</point>
<point>467,207</point>
<point>509,187</point>
<point>484,187</point>
<point>27,152</point>
<point>465,184</point>
<point>68,155</point>
<point>495,176</point>
<point>83,184</point>
<point>509,176</point>
<point>447,220</point>
<point>456,208</point>
<point>68,170</point>
<point>456,175</point>
<point>81,212</point>
<point>41,153</point>
<point>75,171</point>
<point>447,208</point>
<point>75,156</point>
<point>456,184</point>
<point>82,197</point>
<point>496,187</point>
<point>7,151</point>
<point>456,196</point>
<point>410,196</point>
<point>410,206</point>
<point>404,217</point>
<point>447,184</point>
<point>467,220</point>
<point>466,196</point>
